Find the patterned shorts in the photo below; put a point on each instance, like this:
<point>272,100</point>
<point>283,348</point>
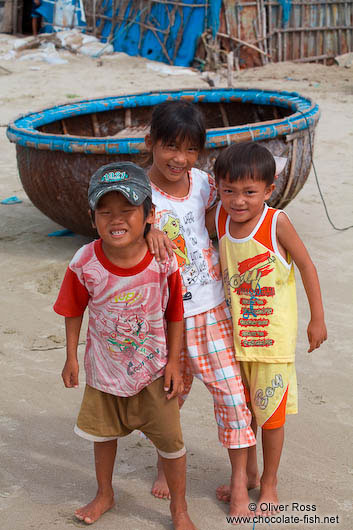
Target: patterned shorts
<point>208,354</point>
<point>271,388</point>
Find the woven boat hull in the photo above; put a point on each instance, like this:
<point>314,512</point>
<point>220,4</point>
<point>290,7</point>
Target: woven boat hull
<point>58,149</point>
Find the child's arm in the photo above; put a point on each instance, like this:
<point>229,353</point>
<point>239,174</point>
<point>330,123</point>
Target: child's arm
<point>159,244</point>
<point>210,221</point>
<point>173,382</point>
<point>71,368</point>
<point>290,241</point>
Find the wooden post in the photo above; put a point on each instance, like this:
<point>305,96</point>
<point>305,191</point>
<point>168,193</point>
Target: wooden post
<point>230,66</point>
<point>6,25</point>
<point>14,16</point>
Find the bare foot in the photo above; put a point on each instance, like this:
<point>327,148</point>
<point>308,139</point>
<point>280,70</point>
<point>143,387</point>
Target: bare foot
<point>239,502</point>
<point>223,492</point>
<point>91,512</point>
<point>182,521</point>
<point>160,487</point>
<point>268,500</point>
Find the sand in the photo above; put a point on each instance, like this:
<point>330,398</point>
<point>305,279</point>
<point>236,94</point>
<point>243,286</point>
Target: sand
<point>46,471</point>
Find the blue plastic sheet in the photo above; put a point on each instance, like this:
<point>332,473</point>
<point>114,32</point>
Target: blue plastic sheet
<point>132,37</point>
<point>287,7</point>
<point>55,12</point>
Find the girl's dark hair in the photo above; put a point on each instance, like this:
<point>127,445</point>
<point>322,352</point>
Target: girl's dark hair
<point>147,206</point>
<point>180,120</point>
<point>245,160</point>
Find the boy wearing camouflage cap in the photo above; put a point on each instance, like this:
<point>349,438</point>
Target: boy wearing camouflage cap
<point>133,339</point>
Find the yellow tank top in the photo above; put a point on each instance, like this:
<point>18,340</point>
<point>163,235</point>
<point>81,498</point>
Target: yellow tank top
<point>260,291</point>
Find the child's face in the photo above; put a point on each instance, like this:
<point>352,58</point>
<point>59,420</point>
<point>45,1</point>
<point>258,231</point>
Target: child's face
<point>172,161</point>
<point>244,200</point>
<point>118,222</point>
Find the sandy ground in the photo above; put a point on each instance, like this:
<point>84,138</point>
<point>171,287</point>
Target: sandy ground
<point>46,471</point>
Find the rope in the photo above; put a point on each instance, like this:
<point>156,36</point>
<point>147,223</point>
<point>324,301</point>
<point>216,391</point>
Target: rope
<point>317,181</point>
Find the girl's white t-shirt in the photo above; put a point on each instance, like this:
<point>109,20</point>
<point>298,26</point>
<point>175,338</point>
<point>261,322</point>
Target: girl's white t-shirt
<point>183,220</point>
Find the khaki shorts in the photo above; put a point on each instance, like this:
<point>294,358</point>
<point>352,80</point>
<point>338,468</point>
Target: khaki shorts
<point>271,389</point>
<point>105,417</point>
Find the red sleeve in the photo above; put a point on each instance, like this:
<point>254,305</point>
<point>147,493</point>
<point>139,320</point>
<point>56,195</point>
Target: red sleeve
<point>73,296</point>
<point>175,308</point>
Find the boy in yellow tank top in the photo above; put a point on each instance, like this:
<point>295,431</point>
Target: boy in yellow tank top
<point>258,246</point>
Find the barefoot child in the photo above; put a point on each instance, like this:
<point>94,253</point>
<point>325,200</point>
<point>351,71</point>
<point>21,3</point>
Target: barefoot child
<point>134,336</point>
<point>182,196</point>
<point>258,246</point>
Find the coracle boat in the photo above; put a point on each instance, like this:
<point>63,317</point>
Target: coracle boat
<point>58,149</point>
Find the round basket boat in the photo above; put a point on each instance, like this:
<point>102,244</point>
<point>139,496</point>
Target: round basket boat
<point>59,148</point>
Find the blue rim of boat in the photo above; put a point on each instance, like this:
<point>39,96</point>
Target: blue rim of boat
<point>23,130</point>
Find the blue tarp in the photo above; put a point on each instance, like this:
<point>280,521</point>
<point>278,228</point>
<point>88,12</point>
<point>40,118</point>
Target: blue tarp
<point>131,34</point>
<point>60,14</point>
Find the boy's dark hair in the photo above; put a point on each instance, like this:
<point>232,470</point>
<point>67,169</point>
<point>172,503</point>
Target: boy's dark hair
<point>180,120</point>
<point>147,207</point>
<point>245,160</point>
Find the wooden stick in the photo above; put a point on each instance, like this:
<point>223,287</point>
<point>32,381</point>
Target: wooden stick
<point>264,29</point>
<point>269,13</point>
<point>257,29</point>
<point>181,4</point>
<point>5,70</point>
<point>95,125</point>
<point>94,17</point>
<point>230,66</point>
<point>128,118</point>
<point>14,16</point>
<point>326,28</point>
<point>301,34</point>
<point>279,40</point>
<point>312,59</point>
<point>65,131</point>
<point>224,115</point>
<point>243,43</point>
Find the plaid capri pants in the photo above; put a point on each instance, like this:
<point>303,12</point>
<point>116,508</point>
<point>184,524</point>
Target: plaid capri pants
<point>208,354</point>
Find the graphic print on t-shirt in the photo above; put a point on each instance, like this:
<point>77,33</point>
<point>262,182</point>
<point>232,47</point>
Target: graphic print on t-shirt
<point>253,298</point>
<point>171,227</point>
<point>196,264</point>
<point>127,331</point>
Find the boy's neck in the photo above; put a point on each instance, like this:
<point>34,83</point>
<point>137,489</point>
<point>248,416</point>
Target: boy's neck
<point>125,258</point>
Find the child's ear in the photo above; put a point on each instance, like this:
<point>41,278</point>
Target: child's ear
<point>269,190</point>
<point>91,216</point>
<point>148,142</point>
<point>151,216</point>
